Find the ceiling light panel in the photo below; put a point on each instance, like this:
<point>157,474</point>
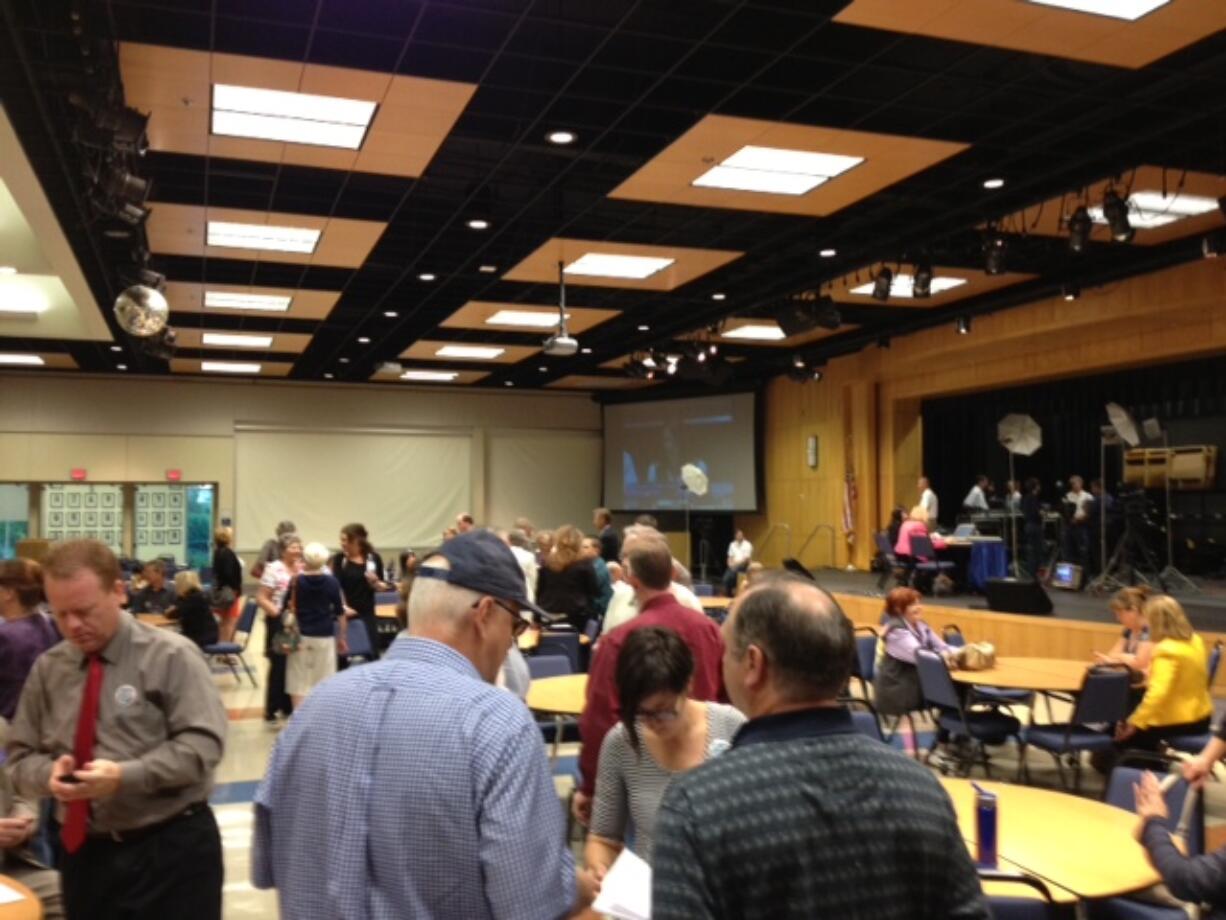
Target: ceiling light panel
<point>235,340</point>
<point>609,265</point>
<point>1150,209</point>
<point>470,352</point>
<point>430,376</point>
<point>262,236</point>
<point>269,303</point>
<point>1130,10</point>
<point>529,319</point>
<point>757,180</point>
<point>22,360</point>
<point>758,332</point>
<point>776,171</point>
<point>901,286</point>
<point>295,118</point>
<point>229,367</point>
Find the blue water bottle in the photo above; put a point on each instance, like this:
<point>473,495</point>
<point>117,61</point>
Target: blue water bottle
<point>985,827</point>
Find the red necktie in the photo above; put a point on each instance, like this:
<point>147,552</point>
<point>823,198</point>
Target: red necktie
<point>73,832</point>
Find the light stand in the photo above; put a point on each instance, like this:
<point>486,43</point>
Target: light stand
<point>1013,513</point>
<point>1171,578</point>
<point>1105,582</point>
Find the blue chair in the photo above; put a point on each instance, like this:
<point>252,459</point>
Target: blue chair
<point>980,724</point>
<point>386,597</point>
<point>358,638</point>
<point>866,658</point>
<point>702,589</point>
<point>1011,907</point>
<point>1102,701</point>
<point>865,718</point>
<point>232,650</point>
<point>952,634</point>
<point>553,729</point>
<point>561,643</point>
<point>922,548</point>
<point>892,564</point>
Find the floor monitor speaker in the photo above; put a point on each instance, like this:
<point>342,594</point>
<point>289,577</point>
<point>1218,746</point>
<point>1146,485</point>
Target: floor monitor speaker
<point>1016,595</point>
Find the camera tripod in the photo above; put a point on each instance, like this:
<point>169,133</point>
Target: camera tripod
<point>1132,556</point>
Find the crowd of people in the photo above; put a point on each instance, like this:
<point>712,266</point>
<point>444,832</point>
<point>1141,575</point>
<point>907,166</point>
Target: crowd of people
<point>720,754</point>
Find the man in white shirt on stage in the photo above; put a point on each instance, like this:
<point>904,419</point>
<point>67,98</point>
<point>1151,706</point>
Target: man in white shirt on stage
<point>740,554</point>
<point>977,498</point>
<point>928,500</point>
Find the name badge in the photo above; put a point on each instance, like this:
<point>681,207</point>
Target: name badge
<point>126,695</point>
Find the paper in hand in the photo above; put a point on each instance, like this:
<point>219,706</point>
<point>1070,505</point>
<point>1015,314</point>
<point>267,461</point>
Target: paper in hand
<point>625,892</point>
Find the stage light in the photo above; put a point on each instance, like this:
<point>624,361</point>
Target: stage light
<point>1115,209</point>
<point>1070,291</point>
<point>1080,226</point>
<point>964,325</point>
<point>995,247</point>
<point>921,281</point>
<point>881,284</point>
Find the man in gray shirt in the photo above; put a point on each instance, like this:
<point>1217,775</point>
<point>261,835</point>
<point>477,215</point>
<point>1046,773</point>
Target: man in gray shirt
<point>121,723</point>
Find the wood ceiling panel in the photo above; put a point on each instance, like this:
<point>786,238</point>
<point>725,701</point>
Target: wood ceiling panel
<point>193,366</point>
<point>282,342</point>
<point>688,263</point>
<point>186,297</point>
<point>427,350</point>
<point>475,313</point>
<point>463,377</point>
<point>592,382</point>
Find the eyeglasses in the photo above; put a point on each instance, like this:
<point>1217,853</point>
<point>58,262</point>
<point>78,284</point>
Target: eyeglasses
<point>518,624</point>
<point>661,715</point>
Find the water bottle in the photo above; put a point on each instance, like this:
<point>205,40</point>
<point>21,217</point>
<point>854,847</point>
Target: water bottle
<point>985,827</point>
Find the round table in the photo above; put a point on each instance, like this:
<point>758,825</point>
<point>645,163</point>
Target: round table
<point>1082,846</point>
<point>28,908</point>
<point>563,696</point>
<point>1046,675</point>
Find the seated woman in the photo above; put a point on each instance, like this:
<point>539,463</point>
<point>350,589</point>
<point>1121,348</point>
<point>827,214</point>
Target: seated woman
<point>896,686</point>
<point>916,524</point>
<point>1133,648</point>
<point>662,733</point>
<point>193,610</point>
<point>1176,700</point>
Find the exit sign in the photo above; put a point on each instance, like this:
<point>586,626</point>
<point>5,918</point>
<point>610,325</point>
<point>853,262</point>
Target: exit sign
<point>174,475</point>
<point>77,474</point>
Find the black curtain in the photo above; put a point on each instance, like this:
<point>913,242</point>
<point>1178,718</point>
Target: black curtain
<point>960,442</point>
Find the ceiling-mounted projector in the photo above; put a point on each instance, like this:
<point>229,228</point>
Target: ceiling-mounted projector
<point>561,345</point>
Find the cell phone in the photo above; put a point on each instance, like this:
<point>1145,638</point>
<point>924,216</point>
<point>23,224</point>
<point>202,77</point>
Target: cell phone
<point>70,778</point>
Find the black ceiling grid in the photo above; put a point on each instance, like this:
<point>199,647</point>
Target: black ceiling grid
<point>629,77</point>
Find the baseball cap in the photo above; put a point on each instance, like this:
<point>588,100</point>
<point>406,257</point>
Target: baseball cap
<point>480,561</point>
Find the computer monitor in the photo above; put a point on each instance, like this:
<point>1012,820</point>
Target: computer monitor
<point>963,531</point>
<point>1066,576</point>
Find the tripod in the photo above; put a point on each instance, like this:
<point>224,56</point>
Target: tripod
<point>1130,550</point>
<point>1172,579</point>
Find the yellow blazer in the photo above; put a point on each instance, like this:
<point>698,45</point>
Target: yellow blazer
<point>1178,688</point>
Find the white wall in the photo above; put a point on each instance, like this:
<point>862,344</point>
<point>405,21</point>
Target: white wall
<point>127,430</point>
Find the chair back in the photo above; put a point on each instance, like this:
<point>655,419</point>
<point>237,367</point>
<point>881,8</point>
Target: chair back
<point>246,619</point>
<point>952,634</point>
<point>883,545</point>
<point>561,644</point>
<point>1119,793</point>
<point>1215,659</point>
<point>1103,698</point>
<point>1007,907</point>
<point>540,666</point>
<point>866,656</point>
<point>921,547</point>
<point>386,597</point>
<point>864,717</point>
<point>591,629</point>
<point>935,683</point>
<point>358,639</point>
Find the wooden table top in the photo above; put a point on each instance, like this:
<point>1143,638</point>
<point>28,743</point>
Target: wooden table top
<point>1059,675</point>
<point>386,610</point>
<point>156,619</point>
<point>27,909</point>
<point>562,696</point>
<point>1080,845</point>
<point>715,603</point>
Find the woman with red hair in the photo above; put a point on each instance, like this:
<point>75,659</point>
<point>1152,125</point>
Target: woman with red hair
<point>896,681</point>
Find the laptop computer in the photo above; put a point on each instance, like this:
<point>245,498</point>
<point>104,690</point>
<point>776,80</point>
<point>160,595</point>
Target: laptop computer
<point>964,531</point>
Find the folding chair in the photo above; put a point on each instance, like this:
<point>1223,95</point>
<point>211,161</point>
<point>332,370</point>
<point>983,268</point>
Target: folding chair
<point>358,639</point>
<point>1016,907</point>
<point>977,723</point>
<point>231,650</point>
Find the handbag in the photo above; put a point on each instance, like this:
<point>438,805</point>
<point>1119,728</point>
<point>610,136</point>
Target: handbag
<point>222,597</point>
<point>286,639</point>
<point>976,656</point>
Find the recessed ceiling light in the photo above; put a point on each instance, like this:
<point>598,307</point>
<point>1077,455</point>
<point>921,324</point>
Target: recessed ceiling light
<point>776,171</point>
<point>262,236</point>
<point>229,367</point>
<point>478,224</point>
<point>116,348</point>
<point>296,118</point>
<point>644,328</point>
<point>993,183</point>
<point>233,340</point>
<point>533,319</point>
<point>25,360</point>
<point>902,284</point>
<point>470,352</point>
<point>719,296</point>
<point>828,253</point>
<point>327,376</point>
<point>543,369</point>
<point>121,367</point>
<point>426,276</point>
<point>488,269</point>
<point>1150,209</point>
<point>363,340</point>
<point>609,265</point>
<point>8,270</point>
<point>561,137</point>
<point>585,351</point>
<point>509,383</point>
<point>343,360</point>
<point>390,314</point>
<point>758,332</point>
<point>433,376</point>
<point>1116,9</point>
<point>224,300</point>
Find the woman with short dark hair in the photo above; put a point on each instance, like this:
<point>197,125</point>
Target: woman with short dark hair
<point>662,732</point>
<point>896,687</point>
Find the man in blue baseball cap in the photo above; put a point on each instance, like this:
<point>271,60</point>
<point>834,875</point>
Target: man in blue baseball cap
<point>412,786</point>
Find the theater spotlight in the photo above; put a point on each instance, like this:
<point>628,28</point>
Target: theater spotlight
<point>921,281</point>
<point>1079,229</point>
<point>994,248</point>
<point>882,283</point>
<point>127,127</point>
<point>1115,210</point>
<point>964,325</point>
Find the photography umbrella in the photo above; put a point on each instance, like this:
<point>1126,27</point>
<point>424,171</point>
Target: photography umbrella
<point>1017,434</point>
<point>694,482</point>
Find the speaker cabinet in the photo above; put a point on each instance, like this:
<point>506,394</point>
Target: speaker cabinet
<point>1016,595</point>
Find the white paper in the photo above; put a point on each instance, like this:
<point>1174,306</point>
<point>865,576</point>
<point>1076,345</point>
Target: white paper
<point>9,895</point>
<point>625,892</point>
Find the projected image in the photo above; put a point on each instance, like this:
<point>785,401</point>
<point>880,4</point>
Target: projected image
<point>646,445</point>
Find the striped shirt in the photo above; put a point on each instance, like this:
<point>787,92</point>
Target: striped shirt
<point>630,785</point>
<point>412,788</point>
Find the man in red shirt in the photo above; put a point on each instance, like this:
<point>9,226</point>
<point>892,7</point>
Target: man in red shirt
<point>649,570</point>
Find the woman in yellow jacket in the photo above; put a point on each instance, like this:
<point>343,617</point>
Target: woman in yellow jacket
<point>1176,700</point>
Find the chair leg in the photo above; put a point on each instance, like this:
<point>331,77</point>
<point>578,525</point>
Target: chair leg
<point>1077,772</point>
<point>914,737</point>
<point>247,668</point>
<point>987,764</point>
<point>1023,775</point>
<point>1060,771</point>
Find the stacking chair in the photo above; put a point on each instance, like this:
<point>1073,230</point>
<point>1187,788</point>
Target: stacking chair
<point>979,723</point>
<point>358,638</point>
<point>922,548</point>
<point>864,717</point>
<point>386,597</point>
<point>561,643</point>
<point>866,658</point>
<point>1015,906</point>
<point>1101,703</point>
<point>892,565</point>
<point>228,651</point>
